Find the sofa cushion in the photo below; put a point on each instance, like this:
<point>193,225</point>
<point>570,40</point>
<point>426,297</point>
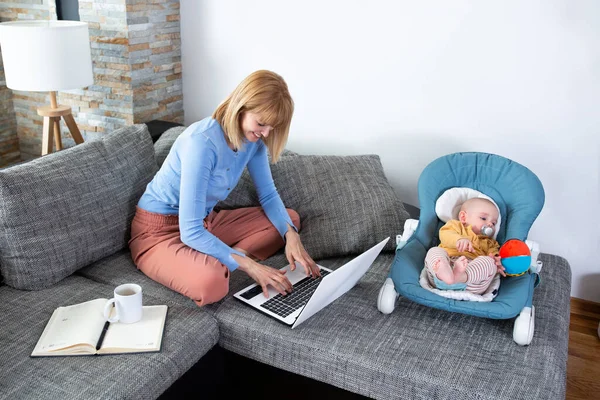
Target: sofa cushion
<point>189,334</point>
<point>65,210</point>
<point>416,351</point>
<point>165,142</point>
<point>346,203</point>
<point>119,268</point>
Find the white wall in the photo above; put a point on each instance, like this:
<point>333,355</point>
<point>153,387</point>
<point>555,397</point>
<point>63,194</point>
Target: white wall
<point>412,81</point>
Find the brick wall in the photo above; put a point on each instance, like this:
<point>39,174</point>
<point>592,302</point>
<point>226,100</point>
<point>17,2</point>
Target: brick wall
<point>136,55</point>
<point>155,56</point>
<point>108,103</point>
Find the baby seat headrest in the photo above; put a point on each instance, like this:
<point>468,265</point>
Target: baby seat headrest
<point>448,204</point>
<point>516,191</point>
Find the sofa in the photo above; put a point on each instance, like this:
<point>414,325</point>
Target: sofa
<point>64,227</point>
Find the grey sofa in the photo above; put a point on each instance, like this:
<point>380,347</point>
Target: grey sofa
<point>64,223</point>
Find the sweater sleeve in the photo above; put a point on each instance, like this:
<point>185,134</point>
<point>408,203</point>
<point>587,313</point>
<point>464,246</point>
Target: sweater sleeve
<point>198,158</point>
<point>490,246</point>
<point>269,199</point>
<point>450,233</point>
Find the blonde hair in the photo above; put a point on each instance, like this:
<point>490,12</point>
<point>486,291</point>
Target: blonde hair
<point>475,200</point>
<point>264,93</point>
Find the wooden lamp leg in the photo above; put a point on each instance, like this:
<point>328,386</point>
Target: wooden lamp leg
<point>52,116</point>
<point>57,138</point>
<point>70,121</point>
<point>47,135</point>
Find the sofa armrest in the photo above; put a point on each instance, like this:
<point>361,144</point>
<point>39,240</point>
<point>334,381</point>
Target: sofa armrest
<point>412,210</point>
<point>158,127</point>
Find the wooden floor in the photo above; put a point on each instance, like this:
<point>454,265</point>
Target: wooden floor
<point>583,365</point>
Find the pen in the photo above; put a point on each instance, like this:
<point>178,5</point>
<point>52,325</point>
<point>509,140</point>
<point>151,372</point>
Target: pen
<point>101,339</point>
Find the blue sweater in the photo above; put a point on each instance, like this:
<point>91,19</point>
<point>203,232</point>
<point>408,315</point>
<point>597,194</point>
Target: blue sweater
<point>201,170</point>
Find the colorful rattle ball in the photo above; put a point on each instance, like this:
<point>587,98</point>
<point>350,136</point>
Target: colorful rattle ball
<point>516,257</point>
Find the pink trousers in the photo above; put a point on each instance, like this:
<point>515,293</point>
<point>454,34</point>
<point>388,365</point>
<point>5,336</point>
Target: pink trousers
<point>157,250</point>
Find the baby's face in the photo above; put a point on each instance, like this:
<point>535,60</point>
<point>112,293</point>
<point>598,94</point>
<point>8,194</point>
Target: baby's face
<point>481,214</point>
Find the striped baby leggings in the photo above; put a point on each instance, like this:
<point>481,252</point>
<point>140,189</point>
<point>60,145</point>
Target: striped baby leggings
<point>480,271</point>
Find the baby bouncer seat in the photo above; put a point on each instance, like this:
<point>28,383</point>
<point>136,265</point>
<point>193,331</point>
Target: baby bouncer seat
<point>519,195</point>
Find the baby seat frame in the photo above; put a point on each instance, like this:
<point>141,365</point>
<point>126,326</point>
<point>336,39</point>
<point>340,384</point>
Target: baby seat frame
<point>396,283</point>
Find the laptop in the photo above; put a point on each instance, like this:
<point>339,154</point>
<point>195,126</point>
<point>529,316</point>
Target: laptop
<point>309,295</point>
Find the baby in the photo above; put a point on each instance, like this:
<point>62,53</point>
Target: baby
<point>466,259</point>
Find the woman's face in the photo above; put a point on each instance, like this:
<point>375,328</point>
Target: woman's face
<point>254,129</point>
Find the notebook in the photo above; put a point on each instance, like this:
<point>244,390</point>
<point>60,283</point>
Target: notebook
<point>310,295</point>
<point>81,329</point>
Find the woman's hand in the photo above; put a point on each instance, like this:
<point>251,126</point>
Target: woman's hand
<point>294,251</point>
<point>264,275</point>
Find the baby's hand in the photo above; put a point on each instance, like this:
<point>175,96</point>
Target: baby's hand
<point>499,266</point>
<point>464,245</point>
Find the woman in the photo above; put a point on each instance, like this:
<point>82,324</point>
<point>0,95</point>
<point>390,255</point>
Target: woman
<point>178,240</point>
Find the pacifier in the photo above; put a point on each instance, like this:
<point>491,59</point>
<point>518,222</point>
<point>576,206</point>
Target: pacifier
<point>487,230</point>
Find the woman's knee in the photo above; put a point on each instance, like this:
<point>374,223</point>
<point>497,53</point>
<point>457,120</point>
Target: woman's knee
<point>295,217</point>
<point>210,287</point>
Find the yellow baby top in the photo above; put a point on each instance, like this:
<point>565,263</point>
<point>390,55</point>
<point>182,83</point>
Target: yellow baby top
<point>454,230</point>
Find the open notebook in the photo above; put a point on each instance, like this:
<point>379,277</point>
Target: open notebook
<point>78,330</point>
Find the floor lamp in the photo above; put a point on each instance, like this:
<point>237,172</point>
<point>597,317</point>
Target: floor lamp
<point>47,56</point>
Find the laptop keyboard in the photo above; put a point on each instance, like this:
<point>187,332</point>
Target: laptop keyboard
<point>285,305</point>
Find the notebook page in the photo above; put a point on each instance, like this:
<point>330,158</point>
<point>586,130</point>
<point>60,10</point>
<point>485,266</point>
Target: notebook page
<point>72,325</point>
<point>145,334</point>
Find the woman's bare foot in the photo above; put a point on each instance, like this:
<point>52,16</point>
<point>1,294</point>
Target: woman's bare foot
<point>442,270</point>
<point>460,268</point>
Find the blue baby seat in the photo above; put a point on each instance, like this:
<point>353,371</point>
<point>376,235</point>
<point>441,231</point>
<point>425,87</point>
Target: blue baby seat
<point>519,195</point>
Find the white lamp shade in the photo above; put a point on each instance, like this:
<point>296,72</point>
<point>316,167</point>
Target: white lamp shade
<point>46,55</point>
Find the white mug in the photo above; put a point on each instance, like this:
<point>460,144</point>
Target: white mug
<point>128,304</point>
